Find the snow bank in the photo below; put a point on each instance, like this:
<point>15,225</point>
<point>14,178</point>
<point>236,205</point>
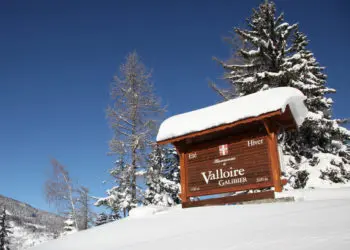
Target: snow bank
<point>314,225</point>
<point>24,237</point>
<point>335,193</point>
<point>326,162</point>
<point>234,110</point>
<point>147,211</point>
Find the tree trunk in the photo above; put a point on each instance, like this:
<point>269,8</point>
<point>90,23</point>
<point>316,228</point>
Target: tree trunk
<point>133,177</point>
<point>135,143</point>
<point>71,200</point>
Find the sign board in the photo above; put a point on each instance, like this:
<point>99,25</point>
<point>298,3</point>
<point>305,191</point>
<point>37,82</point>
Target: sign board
<point>225,148</point>
<point>227,166</point>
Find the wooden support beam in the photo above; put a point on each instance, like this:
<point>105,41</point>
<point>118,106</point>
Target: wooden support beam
<point>183,172</point>
<point>230,199</point>
<point>183,177</point>
<point>272,129</point>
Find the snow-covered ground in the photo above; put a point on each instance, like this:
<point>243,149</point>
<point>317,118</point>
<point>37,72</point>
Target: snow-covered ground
<point>22,238</point>
<point>319,219</point>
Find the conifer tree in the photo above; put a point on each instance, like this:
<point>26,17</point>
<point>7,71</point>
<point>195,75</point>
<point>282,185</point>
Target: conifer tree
<point>132,116</point>
<point>119,199</point>
<point>162,177</point>
<point>275,55</point>
<point>321,142</point>
<point>69,225</point>
<point>5,231</point>
<point>103,218</point>
<point>266,46</point>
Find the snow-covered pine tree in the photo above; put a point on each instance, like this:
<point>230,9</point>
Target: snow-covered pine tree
<point>320,142</point>
<point>162,177</point>
<point>275,55</point>
<point>5,231</point>
<point>133,120</point>
<point>69,225</point>
<point>119,199</point>
<point>266,46</point>
<point>104,218</point>
<point>101,219</point>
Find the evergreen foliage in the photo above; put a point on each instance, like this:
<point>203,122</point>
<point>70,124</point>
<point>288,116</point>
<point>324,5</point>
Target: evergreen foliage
<point>162,177</point>
<point>69,225</point>
<point>119,198</point>
<point>275,54</point>
<point>103,218</point>
<point>5,231</point>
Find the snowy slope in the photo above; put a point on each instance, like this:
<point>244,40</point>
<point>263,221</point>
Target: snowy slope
<point>23,237</point>
<point>317,224</point>
<point>30,226</point>
<point>234,110</point>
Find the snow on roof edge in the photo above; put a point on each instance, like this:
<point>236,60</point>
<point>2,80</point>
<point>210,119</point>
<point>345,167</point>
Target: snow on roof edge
<point>245,107</point>
<point>189,133</point>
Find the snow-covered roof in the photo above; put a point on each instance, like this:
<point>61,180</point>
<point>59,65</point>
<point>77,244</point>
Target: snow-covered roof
<point>231,111</point>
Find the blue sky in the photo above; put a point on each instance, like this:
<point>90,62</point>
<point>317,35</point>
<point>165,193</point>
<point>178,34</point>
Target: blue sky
<point>57,59</point>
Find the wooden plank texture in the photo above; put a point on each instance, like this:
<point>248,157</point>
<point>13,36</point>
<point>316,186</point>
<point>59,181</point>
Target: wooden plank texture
<point>227,166</point>
<point>272,129</point>
<point>183,178</point>
<point>230,199</point>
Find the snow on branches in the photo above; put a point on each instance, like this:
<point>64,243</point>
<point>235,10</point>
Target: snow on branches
<point>275,54</point>
<point>162,177</point>
<point>133,117</point>
<point>5,231</point>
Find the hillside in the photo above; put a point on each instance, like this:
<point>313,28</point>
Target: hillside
<point>319,219</point>
<point>31,226</point>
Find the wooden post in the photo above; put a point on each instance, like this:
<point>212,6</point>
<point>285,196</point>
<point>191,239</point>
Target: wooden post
<point>183,174</point>
<point>273,151</point>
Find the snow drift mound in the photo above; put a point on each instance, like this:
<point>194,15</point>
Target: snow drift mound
<point>320,224</point>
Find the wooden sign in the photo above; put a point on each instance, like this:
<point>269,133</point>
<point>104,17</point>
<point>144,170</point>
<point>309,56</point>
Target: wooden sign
<point>232,146</point>
<point>227,166</point>
<point>244,157</point>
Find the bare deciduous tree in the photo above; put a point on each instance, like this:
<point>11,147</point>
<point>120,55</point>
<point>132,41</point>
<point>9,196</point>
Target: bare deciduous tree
<point>83,207</point>
<point>59,190</point>
<point>133,120</point>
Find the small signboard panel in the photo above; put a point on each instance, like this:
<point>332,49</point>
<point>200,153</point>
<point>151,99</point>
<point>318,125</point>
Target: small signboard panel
<point>227,166</point>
